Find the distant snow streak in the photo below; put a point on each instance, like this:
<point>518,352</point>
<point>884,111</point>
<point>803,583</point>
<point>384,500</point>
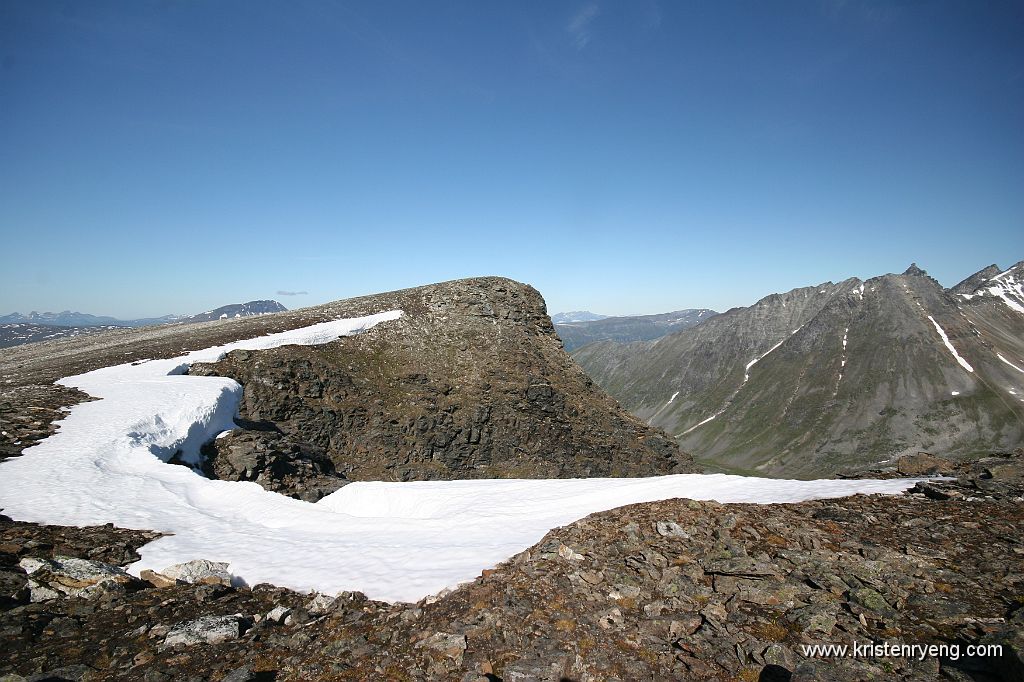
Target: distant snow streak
<point>694,427</point>
<point>1000,356</point>
<point>746,370</point>
<point>945,339</point>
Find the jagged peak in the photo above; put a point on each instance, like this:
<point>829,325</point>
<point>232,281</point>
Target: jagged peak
<point>970,284</point>
<point>915,271</point>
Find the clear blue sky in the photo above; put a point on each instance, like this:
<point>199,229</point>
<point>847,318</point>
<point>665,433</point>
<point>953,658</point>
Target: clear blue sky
<point>623,157</point>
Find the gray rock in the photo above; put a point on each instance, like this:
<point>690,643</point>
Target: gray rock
<point>205,630</point>
<point>671,529</point>
<point>71,577</point>
<point>199,571</point>
<point>450,645</point>
<point>278,614</point>
<point>320,604</point>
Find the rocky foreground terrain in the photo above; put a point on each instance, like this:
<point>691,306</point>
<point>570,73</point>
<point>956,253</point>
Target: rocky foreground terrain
<point>669,590</point>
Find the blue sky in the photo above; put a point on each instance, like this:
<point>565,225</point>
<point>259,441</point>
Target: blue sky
<point>637,157</point>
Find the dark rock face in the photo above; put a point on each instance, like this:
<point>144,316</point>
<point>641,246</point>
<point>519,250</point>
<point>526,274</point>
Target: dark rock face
<point>470,383</point>
<point>669,590</point>
<point>825,379</point>
<point>276,462</point>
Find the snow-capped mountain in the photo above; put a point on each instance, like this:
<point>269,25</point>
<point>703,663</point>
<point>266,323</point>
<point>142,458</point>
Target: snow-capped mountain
<point>822,378</point>
<point>1007,286</point>
<point>237,310</point>
<point>576,316</point>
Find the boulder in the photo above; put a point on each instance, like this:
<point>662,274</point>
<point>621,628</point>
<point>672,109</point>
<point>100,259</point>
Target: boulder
<point>69,577</point>
<point>195,572</point>
<point>923,464</point>
<point>205,630</point>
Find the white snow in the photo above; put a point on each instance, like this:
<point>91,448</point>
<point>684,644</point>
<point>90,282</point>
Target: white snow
<point>1006,288</point>
<point>672,398</point>
<point>945,340</point>
<point>393,541</point>
<point>1000,356</point>
<point>702,423</point>
<point>746,370</point>
<point>842,362</point>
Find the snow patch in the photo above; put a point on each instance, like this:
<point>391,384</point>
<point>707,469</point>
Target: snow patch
<point>694,427</point>
<point>1000,356</point>
<point>945,340</point>
<point>746,370</point>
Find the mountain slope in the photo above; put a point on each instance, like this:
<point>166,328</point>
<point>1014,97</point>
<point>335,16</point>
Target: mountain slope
<point>633,328</point>
<point>824,378</point>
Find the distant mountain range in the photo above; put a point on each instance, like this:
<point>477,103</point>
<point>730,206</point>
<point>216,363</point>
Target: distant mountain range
<point>576,334</point>
<point>16,329</point>
<point>576,316</point>
<point>823,378</point>
<point>69,318</point>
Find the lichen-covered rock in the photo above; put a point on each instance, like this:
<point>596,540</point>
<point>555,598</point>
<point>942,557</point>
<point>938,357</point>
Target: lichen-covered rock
<point>71,577</point>
<point>197,571</point>
<point>205,630</point>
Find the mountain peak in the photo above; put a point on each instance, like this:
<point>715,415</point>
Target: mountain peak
<point>971,284</point>
<point>915,271</point>
<point>576,316</point>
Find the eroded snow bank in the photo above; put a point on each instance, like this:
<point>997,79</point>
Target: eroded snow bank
<point>393,541</point>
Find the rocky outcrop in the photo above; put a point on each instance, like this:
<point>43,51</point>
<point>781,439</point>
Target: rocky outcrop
<point>470,383</point>
<point>668,590</point>
<point>275,461</point>
<point>70,577</point>
<point>195,572</point>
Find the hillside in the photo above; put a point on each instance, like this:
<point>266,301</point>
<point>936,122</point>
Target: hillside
<point>822,379</point>
<point>631,328</point>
